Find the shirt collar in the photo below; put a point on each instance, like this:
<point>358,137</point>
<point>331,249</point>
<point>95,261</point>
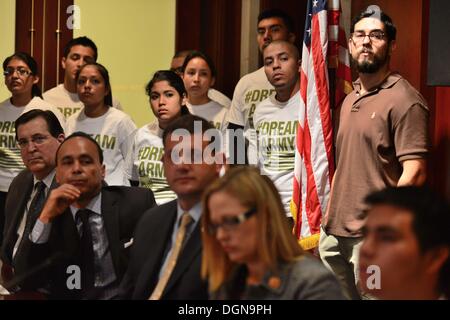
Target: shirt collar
<point>154,128</point>
<point>274,100</point>
<point>388,82</point>
<point>195,212</point>
<point>48,180</point>
<point>95,205</point>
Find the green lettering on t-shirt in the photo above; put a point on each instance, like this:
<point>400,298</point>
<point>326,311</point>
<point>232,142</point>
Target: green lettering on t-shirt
<point>8,142</point>
<point>256,95</point>
<point>68,111</point>
<point>151,169</point>
<point>105,142</point>
<point>143,153</point>
<point>153,153</point>
<point>277,128</point>
<point>150,153</point>
<point>273,127</point>
<point>108,142</point>
<point>264,94</point>
<point>250,115</point>
<point>7,127</point>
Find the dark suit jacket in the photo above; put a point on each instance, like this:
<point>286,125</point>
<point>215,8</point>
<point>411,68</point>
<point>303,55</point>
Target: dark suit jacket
<point>121,209</point>
<point>151,237</point>
<point>18,195</point>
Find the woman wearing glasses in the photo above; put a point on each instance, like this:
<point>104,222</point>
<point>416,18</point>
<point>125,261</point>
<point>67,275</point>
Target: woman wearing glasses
<point>110,127</point>
<point>21,78</point>
<point>249,251</point>
<point>144,165</point>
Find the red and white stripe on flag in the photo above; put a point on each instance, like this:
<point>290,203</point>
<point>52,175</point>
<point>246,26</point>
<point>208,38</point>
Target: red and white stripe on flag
<point>338,55</point>
<point>314,163</point>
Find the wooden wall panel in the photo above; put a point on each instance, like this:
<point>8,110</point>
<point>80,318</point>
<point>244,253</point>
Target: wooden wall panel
<point>36,34</point>
<point>188,25</point>
<point>440,163</point>
<point>218,41</point>
<point>53,47</point>
<point>214,27</point>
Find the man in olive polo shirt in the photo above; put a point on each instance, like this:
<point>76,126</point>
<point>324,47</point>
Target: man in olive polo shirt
<point>382,140</point>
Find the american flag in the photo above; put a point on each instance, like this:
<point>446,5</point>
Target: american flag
<point>338,55</point>
<point>314,161</point>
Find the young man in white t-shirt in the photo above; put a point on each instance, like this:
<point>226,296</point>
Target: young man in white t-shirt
<point>276,118</point>
<point>273,24</point>
<point>77,53</point>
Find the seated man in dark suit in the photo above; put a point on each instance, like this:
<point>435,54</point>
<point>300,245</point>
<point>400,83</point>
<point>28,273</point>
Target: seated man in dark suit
<point>165,260</point>
<point>85,229</point>
<point>38,135</point>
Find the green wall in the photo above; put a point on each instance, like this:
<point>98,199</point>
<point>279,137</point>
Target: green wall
<point>7,35</point>
<point>135,38</point>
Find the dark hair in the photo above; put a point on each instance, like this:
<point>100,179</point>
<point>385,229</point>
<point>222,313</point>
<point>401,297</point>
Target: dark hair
<point>105,75</point>
<point>198,54</point>
<point>82,135</point>
<point>291,46</point>
<point>277,13</point>
<point>374,12</point>
<point>181,54</point>
<point>174,81</point>
<point>431,220</point>
<point>186,122</point>
<point>81,41</point>
<point>32,64</point>
<point>53,124</point>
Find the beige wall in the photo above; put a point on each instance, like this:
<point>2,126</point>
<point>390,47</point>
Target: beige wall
<point>7,35</point>
<point>134,38</point>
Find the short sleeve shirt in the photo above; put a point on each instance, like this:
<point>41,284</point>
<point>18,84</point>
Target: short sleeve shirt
<point>377,131</point>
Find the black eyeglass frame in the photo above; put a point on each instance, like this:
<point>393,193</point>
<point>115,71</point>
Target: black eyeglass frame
<point>374,35</point>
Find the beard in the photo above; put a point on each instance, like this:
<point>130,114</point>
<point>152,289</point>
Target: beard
<point>373,66</point>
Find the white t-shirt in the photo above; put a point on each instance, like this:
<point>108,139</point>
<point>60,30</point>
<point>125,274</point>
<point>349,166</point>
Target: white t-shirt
<point>276,127</point>
<point>113,132</point>
<point>10,159</point>
<point>219,97</point>
<point>250,90</point>
<point>211,111</point>
<point>68,103</point>
<point>144,163</point>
